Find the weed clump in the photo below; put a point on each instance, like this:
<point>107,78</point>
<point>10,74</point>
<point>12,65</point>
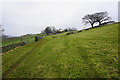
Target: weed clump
<point>79,31</point>
<point>54,36</point>
<point>70,33</point>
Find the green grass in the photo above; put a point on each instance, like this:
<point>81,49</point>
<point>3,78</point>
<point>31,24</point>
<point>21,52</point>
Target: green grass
<point>27,39</point>
<point>88,54</point>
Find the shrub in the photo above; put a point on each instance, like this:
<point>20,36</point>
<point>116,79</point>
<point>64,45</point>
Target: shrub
<point>54,36</point>
<point>36,38</point>
<point>70,33</point>
<point>79,31</point>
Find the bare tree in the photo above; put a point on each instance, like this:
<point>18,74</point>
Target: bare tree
<point>99,17</point>
<point>90,18</point>
<point>1,30</point>
<point>50,30</point>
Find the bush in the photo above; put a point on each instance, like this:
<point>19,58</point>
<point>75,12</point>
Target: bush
<point>79,31</point>
<point>36,38</point>
<point>11,46</point>
<point>54,36</point>
<point>70,33</point>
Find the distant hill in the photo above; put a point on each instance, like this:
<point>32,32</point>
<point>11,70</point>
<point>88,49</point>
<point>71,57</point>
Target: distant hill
<point>7,36</point>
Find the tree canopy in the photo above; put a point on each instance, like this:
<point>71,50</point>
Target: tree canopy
<point>99,17</point>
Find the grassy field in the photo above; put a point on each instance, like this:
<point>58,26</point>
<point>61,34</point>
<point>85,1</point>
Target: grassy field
<point>88,54</point>
<point>27,39</point>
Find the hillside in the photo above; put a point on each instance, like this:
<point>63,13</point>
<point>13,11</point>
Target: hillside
<point>88,54</point>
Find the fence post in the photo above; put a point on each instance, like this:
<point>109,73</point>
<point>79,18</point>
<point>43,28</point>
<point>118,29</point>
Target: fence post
<point>21,40</point>
<point>28,40</point>
<point>36,38</point>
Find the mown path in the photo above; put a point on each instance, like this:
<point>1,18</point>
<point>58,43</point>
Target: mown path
<point>21,60</point>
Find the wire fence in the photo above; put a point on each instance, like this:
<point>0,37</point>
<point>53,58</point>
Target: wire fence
<point>26,40</point>
<point>13,43</point>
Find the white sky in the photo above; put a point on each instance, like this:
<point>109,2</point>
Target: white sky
<point>22,17</point>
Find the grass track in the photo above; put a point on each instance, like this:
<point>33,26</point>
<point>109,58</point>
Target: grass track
<point>18,62</point>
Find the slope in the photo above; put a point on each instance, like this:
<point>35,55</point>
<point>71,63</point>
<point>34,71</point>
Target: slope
<point>88,54</point>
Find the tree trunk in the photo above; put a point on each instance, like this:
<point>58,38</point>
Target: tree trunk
<point>92,25</point>
<point>99,23</point>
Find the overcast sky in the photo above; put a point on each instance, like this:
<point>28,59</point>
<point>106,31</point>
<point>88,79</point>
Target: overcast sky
<point>19,18</point>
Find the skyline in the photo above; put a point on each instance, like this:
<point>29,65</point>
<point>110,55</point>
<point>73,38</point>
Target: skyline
<point>19,18</point>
